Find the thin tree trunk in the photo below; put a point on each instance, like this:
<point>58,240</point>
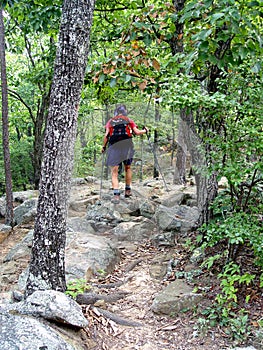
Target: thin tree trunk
<point>47,265</point>
<point>9,216</point>
<point>39,125</point>
<point>155,140</point>
<point>176,44</point>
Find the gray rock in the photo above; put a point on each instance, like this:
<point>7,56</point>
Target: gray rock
<point>175,199</point>
<point>104,212</point>
<point>134,231</point>
<point>197,256</point>
<point>21,249</point>
<point>166,220</point>
<point>51,305</point>
<point>147,209</point>
<point>179,218</point>
<point>2,207</point>
<point>174,298</point>
<point>25,212</point>
<point>5,228</point>
<point>89,252</point>
<point>8,274</point>
<point>26,333</point>
<point>79,225</point>
<point>23,196</point>
<point>246,348</point>
<point>166,239</point>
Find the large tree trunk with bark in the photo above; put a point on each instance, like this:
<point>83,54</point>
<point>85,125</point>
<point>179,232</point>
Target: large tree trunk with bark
<point>206,186</point>
<point>9,215</point>
<point>188,139</point>
<point>47,266</point>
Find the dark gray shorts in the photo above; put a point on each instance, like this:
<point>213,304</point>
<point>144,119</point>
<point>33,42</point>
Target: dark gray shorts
<point>122,151</point>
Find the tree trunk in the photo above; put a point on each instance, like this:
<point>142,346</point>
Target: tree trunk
<point>188,139</point>
<point>39,125</point>
<point>9,216</point>
<point>47,265</point>
<point>180,165</point>
<point>207,187</point>
<point>155,140</point>
<point>176,44</point>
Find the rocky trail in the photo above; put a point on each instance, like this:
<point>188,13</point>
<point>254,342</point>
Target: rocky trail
<point>119,303</point>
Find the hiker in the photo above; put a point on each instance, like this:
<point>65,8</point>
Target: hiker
<point>118,136</point>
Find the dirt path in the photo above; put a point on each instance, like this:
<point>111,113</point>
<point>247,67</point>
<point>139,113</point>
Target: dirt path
<point>158,332</point>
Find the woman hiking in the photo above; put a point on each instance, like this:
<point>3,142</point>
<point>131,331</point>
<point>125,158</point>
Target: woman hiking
<point>118,137</point>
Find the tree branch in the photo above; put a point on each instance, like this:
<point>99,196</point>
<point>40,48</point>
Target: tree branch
<point>15,95</point>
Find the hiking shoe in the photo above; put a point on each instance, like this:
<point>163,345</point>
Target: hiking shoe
<point>116,199</point>
<point>128,194</point>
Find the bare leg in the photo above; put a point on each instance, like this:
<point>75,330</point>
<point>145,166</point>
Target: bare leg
<point>128,175</point>
<point>114,177</point>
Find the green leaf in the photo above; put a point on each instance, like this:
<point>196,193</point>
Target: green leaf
<point>113,82</point>
<point>101,78</point>
<point>257,67</point>
<point>202,35</point>
<point>216,16</point>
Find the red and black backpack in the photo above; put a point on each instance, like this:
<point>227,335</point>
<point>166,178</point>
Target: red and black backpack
<point>119,129</point>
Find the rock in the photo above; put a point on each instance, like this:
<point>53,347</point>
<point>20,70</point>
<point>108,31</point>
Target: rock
<point>8,274</point>
<point>179,218</point>
<point>197,256</point>
<point>89,252</point>
<point>175,199</point>
<point>5,230</point>
<point>134,231</point>
<point>51,305</point>
<point>25,212</point>
<point>166,220</point>
<point>246,348</point>
<point>157,271</point>
<point>105,212</point>
<point>26,333</point>
<point>2,207</point>
<point>79,225</point>
<point>166,239</point>
<point>176,297</point>
<point>22,249</point>
<point>23,196</point>
<point>147,209</point>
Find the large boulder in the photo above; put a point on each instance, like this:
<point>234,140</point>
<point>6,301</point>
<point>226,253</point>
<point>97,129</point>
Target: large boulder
<point>26,333</point>
<point>51,305</point>
<point>134,230</point>
<point>178,218</point>
<point>174,298</point>
<point>87,252</point>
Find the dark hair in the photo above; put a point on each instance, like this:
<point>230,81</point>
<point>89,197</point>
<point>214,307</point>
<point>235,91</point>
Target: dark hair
<point>120,110</point>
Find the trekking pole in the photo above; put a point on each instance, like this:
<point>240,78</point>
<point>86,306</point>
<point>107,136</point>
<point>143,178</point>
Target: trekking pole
<point>156,159</point>
<point>102,173</point>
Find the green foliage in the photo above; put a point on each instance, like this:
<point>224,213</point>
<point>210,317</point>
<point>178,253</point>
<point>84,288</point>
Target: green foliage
<point>21,165</point>
<point>234,324</point>
<point>76,287</point>
<point>230,279</point>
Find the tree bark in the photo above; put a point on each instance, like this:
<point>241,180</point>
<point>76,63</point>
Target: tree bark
<point>176,44</point>
<point>188,139</point>
<point>47,265</point>
<point>155,140</point>
<point>9,215</point>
